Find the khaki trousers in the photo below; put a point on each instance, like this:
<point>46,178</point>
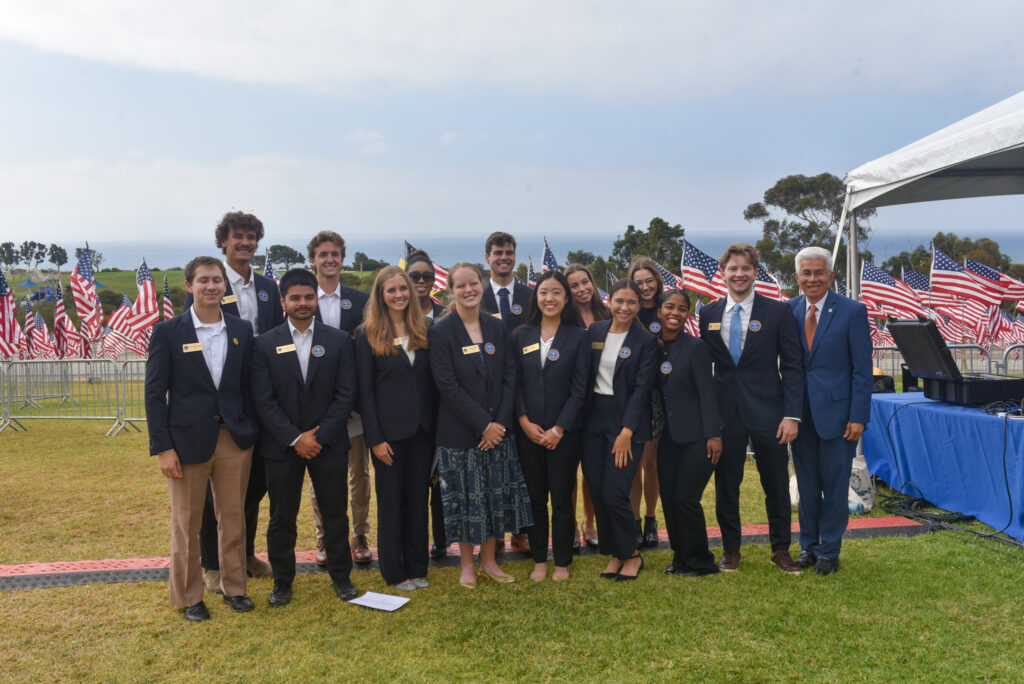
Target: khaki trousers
<point>358,490</point>
<point>228,474</point>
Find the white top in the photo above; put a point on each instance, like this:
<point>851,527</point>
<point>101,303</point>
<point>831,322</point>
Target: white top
<point>405,348</point>
<point>246,293</point>
<point>303,344</point>
<point>606,368</point>
<point>817,309</point>
<point>747,304</point>
<point>214,338</point>
<point>545,347</point>
<point>330,306</point>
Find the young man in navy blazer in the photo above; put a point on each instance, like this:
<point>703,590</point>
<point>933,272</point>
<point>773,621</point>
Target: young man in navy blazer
<point>253,298</point>
<point>202,426</point>
<point>341,307</point>
<point>304,387</point>
<point>836,347</point>
<point>759,381</point>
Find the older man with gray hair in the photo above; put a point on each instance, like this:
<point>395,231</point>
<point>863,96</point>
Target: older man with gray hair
<point>837,404</point>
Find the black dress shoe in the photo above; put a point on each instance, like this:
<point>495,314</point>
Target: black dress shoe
<point>240,603</point>
<point>650,532</point>
<point>826,566</point>
<point>438,552</point>
<point>197,612</point>
<point>672,569</point>
<point>806,559</point>
<point>281,596</point>
<point>576,546</point>
<point>346,591</point>
<point>593,543</point>
<point>690,572</point>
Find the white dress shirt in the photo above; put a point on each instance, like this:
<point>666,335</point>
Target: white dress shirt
<point>747,304</point>
<point>817,309</point>
<point>411,355</point>
<point>246,293</point>
<point>606,367</point>
<point>214,338</point>
<point>330,306</point>
<point>511,287</point>
<point>545,347</point>
<point>303,340</point>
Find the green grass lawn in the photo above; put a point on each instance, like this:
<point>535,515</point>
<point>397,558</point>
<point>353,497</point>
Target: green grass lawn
<point>931,607</point>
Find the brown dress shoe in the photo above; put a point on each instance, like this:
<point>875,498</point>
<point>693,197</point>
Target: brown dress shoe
<point>321,553</point>
<point>785,562</point>
<point>211,580</point>
<point>257,568</point>
<point>521,542</point>
<point>730,562</point>
<point>360,549</point>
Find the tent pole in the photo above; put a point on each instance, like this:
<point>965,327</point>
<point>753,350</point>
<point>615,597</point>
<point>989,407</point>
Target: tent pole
<point>839,232</point>
<point>852,274</point>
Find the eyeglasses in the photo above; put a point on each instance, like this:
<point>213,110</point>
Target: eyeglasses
<point>813,274</point>
<point>427,276</point>
<point>649,282</point>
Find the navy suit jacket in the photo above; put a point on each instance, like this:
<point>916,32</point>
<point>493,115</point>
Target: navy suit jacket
<point>183,407</point>
<point>633,379</point>
<point>520,296</point>
<point>475,387</point>
<point>688,389</point>
<point>397,397</point>
<point>353,302</point>
<point>838,365</point>
<point>767,384</point>
<point>554,394</point>
<point>289,406</point>
<point>269,313</point>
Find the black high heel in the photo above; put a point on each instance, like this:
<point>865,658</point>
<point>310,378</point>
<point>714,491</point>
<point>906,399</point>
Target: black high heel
<point>626,578</point>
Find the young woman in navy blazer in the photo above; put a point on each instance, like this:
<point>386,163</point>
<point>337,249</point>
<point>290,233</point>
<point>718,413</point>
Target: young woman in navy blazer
<point>398,401</point>
<point>482,487</point>
<point>691,443</point>
<point>623,362</point>
<point>552,355</point>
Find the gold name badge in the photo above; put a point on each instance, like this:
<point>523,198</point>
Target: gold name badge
<point>398,341</point>
<point>194,347</point>
<point>714,326</point>
<point>532,348</point>
<point>497,315</point>
<point>597,345</point>
<point>285,348</point>
<point>230,299</point>
<point>471,349</point>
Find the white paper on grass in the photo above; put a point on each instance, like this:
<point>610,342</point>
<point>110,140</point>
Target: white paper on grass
<point>380,601</point>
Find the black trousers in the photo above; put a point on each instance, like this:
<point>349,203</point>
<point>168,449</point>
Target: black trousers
<point>254,493</point>
<point>772,461</point>
<point>683,474</point>
<point>402,508</point>
<point>437,513</point>
<point>609,486</point>
<point>284,482</point>
<point>551,473</point>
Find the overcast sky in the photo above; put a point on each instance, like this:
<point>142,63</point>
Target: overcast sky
<point>130,120</point>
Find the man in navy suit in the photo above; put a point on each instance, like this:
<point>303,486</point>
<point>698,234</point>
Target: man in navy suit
<point>202,426</point>
<point>340,306</point>
<point>759,382</point>
<point>253,298</point>
<point>837,362</point>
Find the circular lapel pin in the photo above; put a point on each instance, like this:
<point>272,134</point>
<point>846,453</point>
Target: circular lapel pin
<point>625,352</point>
<point>666,368</point>
<point>317,350</point>
<point>516,309</point>
<point>346,304</point>
<point>235,340</point>
<point>264,297</point>
<point>489,348</point>
<point>553,355</point>
<point>655,327</point>
<point>755,326</point>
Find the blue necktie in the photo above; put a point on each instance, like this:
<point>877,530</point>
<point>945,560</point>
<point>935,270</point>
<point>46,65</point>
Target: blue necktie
<point>503,307</point>
<point>735,333</point>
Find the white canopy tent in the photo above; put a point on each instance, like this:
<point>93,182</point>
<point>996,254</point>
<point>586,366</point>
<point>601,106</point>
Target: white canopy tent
<point>980,156</point>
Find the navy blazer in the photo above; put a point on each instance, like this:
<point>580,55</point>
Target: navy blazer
<point>397,397</point>
<point>289,406</point>
<point>520,298</point>
<point>838,365</point>
<point>475,382</point>
<point>269,313</point>
<point>183,407</point>
<point>554,394</point>
<point>768,383</point>
<point>688,390</point>
<point>634,376</point>
<point>353,303</point>
<point>649,319</point>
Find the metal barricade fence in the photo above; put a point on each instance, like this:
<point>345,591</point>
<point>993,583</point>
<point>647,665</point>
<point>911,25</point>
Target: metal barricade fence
<point>133,393</point>
<point>1013,360</point>
<point>969,358</point>
<point>81,389</point>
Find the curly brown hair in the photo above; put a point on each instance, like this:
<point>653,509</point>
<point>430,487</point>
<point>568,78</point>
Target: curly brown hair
<point>237,220</point>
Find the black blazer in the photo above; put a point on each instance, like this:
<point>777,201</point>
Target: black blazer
<point>475,387</point>
<point>439,310</point>
<point>288,406</point>
<point>688,389</point>
<point>649,319</point>
<point>768,383</point>
<point>353,302</point>
<point>634,376</point>
<point>397,397</point>
<point>520,298</point>
<point>183,407</point>
<point>554,394</point>
<point>269,313</point>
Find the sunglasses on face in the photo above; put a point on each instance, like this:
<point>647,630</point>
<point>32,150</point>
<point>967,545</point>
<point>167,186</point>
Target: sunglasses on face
<point>417,276</point>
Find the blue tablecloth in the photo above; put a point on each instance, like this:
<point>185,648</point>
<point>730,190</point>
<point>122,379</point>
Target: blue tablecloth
<point>950,455</point>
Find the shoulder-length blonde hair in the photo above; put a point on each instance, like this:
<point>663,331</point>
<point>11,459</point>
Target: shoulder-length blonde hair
<point>377,326</point>
<point>451,279</point>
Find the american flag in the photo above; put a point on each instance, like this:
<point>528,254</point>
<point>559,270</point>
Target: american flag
<point>67,339</point>
<point>766,284</point>
<point>874,311</point>
<point>988,278</point>
<point>883,289</point>
<point>268,268</point>
<point>672,282</point>
<point>83,291</point>
<point>119,318</point>
<point>701,273</point>
<point>841,287</point>
<point>603,295</point>
<point>949,277</point>
<point>951,331</point>
<point>531,277</point>
<point>923,286</point>
<point>1018,329</point>
<point>8,323</point>
<point>42,348</point>
<point>119,336</point>
<point>1006,336</point>
<point>547,258</point>
<point>884,336</point>
<point>692,325</point>
<point>168,304</point>
<point>145,311</point>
